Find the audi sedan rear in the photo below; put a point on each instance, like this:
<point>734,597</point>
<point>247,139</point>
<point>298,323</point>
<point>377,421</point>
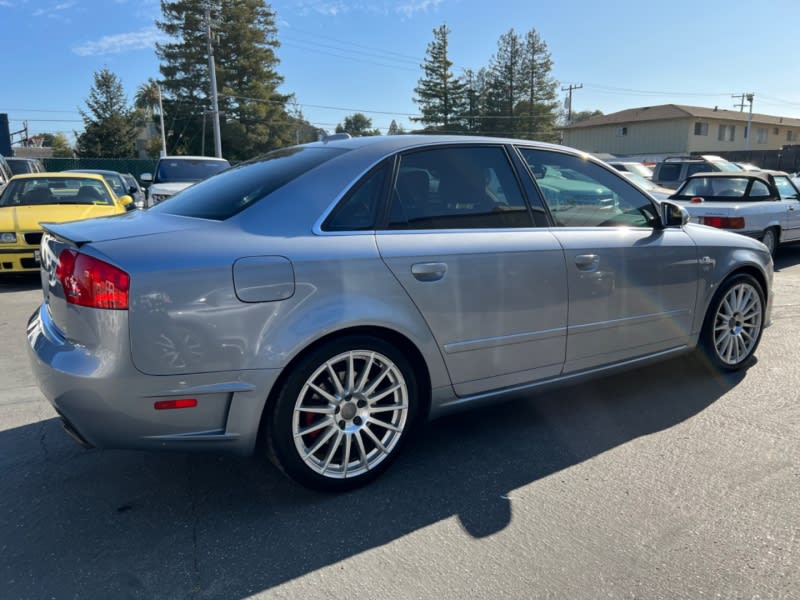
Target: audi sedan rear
<point>316,304</point>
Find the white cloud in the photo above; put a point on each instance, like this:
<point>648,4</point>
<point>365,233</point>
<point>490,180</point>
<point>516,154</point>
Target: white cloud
<point>409,9</point>
<point>6,3</point>
<point>121,42</point>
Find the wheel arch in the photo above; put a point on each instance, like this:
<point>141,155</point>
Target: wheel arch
<point>402,342</point>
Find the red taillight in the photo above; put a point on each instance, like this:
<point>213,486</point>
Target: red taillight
<point>88,281</point>
<point>170,404</point>
<point>724,222</point>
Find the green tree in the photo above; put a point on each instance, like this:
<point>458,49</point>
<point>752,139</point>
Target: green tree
<point>254,117</point>
<point>505,86</point>
<point>109,130</point>
<point>537,112</point>
<point>357,124</point>
<point>61,147</point>
<point>395,129</point>
<point>441,96</point>
<point>584,115</point>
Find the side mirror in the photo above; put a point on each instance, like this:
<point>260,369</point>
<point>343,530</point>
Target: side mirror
<point>146,177</point>
<point>132,190</point>
<point>127,202</point>
<point>673,215</point>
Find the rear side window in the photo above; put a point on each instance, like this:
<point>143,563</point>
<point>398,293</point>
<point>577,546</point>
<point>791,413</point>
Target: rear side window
<point>223,195</point>
<point>457,188</point>
<point>359,210</point>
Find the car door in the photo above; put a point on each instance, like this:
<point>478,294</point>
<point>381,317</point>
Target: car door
<point>790,196</point>
<point>489,280</point>
<point>632,284</point>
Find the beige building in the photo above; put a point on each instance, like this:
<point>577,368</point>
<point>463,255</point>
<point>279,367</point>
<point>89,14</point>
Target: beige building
<point>670,129</point>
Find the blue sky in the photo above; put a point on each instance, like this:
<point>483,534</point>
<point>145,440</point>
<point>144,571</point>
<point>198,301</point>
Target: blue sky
<point>343,56</point>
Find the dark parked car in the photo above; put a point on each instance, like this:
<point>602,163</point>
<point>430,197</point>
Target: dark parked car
<point>135,190</point>
<point>114,179</point>
<point>19,165</point>
<point>671,172</point>
<point>316,304</point>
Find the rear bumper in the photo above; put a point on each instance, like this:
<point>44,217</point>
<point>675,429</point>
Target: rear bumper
<point>19,260</point>
<point>107,403</point>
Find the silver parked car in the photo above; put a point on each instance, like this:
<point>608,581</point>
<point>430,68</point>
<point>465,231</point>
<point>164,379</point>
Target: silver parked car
<point>314,305</point>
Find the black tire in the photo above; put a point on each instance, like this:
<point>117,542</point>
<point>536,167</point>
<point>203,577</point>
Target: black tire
<point>734,323</point>
<point>345,445</point>
<point>770,239</point>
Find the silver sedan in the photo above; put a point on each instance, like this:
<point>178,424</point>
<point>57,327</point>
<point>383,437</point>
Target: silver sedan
<point>316,304</point>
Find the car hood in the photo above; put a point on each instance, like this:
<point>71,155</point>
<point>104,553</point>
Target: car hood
<point>170,188</point>
<point>136,223</point>
<point>28,218</point>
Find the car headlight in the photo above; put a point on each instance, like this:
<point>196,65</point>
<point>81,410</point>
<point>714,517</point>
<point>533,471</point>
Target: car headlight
<point>159,197</point>
<point>8,237</point>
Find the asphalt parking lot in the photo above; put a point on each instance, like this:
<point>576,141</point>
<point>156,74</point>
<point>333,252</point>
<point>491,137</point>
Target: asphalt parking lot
<point>667,482</point>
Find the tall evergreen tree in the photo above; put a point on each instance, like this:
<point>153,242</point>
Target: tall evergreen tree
<point>109,130</point>
<point>538,111</point>
<point>505,85</point>
<point>254,114</point>
<point>440,95</point>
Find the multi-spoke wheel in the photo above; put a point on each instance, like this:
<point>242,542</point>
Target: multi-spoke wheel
<point>343,413</point>
<point>734,322</point>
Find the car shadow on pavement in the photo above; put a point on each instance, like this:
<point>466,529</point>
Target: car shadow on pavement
<point>788,255</point>
<point>19,282</point>
<point>78,523</point>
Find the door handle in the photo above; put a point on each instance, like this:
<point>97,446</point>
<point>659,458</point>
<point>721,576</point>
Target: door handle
<point>428,271</point>
<point>587,262</point>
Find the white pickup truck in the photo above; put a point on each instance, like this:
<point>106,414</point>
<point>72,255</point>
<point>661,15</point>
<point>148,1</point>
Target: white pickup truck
<point>761,204</point>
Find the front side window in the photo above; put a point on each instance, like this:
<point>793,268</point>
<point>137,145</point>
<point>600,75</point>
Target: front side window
<point>457,188</point>
<point>580,193</point>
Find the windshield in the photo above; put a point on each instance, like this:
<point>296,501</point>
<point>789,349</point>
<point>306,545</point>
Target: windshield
<point>188,169</point>
<point>724,165</point>
<point>55,190</point>
<point>228,193</point>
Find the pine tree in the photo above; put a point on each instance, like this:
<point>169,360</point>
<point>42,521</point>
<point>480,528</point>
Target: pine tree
<point>109,130</point>
<point>440,95</point>
<point>254,117</point>
<point>395,129</point>
<point>505,85</point>
<point>538,112</point>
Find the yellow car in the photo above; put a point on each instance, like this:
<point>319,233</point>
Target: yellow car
<point>35,198</point>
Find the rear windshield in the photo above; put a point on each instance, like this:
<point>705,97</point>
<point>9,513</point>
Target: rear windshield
<point>188,169</point>
<point>230,192</point>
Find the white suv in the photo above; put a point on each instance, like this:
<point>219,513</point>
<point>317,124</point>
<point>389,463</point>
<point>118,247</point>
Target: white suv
<point>174,173</point>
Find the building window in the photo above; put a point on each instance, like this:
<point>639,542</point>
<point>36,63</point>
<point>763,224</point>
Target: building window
<point>727,133</point>
<point>761,135</point>
<point>791,136</point>
<point>622,131</point>
<point>701,128</point>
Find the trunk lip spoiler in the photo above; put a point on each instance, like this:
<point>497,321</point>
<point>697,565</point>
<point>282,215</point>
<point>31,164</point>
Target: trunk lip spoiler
<point>51,229</point>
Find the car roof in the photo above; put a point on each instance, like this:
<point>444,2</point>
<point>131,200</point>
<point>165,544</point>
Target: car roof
<point>763,175</point>
<point>61,174</point>
<point>189,157</point>
<point>99,171</point>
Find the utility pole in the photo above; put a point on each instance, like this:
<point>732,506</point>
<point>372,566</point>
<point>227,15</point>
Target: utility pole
<point>161,118</point>
<point>213,75</point>
<point>749,98</point>
<point>569,89</point>
<point>741,101</point>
